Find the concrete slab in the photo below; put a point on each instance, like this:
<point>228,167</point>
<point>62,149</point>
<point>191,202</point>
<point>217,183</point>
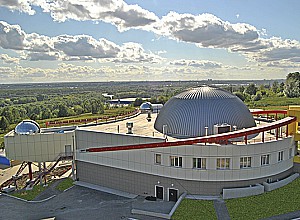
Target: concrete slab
<point>105,189</point>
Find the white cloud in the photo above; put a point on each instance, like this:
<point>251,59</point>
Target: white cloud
<point>117,12</point>
<point>205,30</point>
<point>19,5</point>
<point>85,46</point>
<point>10,60</point>
<point>134,53</point>
<point>35,47</point>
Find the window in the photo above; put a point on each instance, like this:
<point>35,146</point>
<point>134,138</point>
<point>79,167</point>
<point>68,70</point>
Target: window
<point>223,163</point>
<point>280,156</point>
<point>265,160</point>
<point>176,161</point>
<point>291,153</point>
<point>245,162</point>
<point>157,159</point>
<point>199,163</point>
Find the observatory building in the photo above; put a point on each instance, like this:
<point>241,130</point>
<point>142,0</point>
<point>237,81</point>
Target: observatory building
<point>203,141</point>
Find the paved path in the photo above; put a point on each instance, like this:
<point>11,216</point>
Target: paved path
<point>221,209</point>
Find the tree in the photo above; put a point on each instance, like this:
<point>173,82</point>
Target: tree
<point>63,111</point>
<point>78,109</point>
<point>97,107</point>
<point>292,84</point>
<point>251,89</point>
<point>4,123</point>
<point>46,113</point>
<point>137,102</point>
<point>240,95</point>
<point>275,87</point>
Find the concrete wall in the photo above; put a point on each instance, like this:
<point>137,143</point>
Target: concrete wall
<point>243,192</point>
<point>280,183</point>
<point>144,184</point>
<point>39,147</point>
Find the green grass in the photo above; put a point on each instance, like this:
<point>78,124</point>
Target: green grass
<point>271,102</point>
<point>195,209</point>
<point>30,194</point>
<point>279,201</point>
<point>65,184</point>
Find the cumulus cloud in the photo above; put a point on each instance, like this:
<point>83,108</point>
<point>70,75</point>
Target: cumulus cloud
<point>83,45</point>
<point>11,36</point>
<point>19,5</point>
<point>37,47</point>
<point>7,59</point>
<point>205,30</point>
<point>134,53</point>
<point>117,12</point>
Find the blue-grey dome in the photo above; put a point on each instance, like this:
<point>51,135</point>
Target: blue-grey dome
<point>27,127</point>
<point>146,106</point>
<point>187,114</point>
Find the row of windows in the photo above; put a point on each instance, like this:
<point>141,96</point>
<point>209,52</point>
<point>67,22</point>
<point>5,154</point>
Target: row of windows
<point>222,163</point>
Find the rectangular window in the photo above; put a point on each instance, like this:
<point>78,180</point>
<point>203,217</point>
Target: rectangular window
<point>199,163</point>
<point>223,163</point>
<point>176,161</point>
<point>157,158</point>
<point>265,160</point>
<point>280,156</point>
<point>291,152</point>
<point>245,162</point>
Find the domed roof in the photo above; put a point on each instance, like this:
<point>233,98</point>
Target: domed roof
<point>146,106</point>
<point>27,127</point>
<point>187,114</point>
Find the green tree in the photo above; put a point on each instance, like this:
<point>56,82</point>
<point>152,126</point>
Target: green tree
<point>240,95</point>
<point>251,89</point>
<point>97,106</point>
<point>63,110</point>
<point>46,113</point>
<point>78,109</point>
<point>292,84</point>
<point>4,123</point>
<point>137,102</point>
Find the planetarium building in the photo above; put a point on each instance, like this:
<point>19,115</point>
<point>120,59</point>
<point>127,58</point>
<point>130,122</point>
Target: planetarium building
<point>203,141</point>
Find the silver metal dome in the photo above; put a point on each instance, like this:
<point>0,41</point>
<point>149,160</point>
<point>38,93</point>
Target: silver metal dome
<point>146,106</point>
<point>187,114</point>
<point>27,127</point>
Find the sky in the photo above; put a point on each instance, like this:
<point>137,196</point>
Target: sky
<point>138,40</point>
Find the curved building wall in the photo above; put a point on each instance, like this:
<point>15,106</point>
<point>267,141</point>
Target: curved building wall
<point>142,162</point>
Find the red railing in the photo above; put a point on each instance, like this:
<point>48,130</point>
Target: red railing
<point>218,138</point>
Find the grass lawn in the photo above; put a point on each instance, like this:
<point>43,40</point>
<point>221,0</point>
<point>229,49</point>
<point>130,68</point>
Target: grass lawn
<point>195,209</point>
<point>279,201</point>
<point>65,184</point>
<point>30,194</point>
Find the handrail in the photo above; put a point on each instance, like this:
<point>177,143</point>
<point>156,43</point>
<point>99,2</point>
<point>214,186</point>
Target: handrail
<point>206,139</point>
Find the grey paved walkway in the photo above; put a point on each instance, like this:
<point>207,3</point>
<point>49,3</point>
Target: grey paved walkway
<point>221,209</point>
<point>288,216</point>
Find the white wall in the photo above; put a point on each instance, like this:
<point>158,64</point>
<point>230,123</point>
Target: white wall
<point>143,160</point>
<point>38,147</point>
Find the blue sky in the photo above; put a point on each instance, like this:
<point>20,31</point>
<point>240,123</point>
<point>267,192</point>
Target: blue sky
<point>90,40</point>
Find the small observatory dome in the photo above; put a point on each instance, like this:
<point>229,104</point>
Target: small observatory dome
<point>187,114</point>
<point>27,127</point>
<point>145,107</point>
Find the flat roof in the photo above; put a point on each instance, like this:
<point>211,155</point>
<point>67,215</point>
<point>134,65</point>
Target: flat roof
<point>141,126</point>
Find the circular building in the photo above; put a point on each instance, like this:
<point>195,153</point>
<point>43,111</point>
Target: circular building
<point>27,127</point>
<point>188,114</point>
